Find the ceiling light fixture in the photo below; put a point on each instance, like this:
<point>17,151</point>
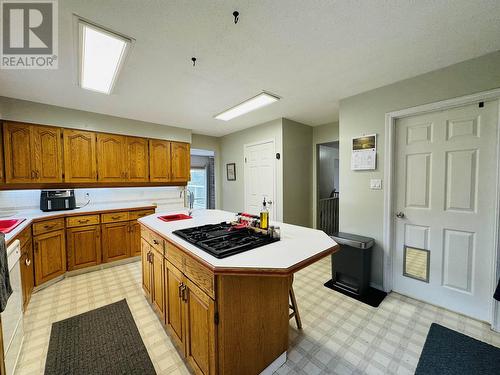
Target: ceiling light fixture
<point>248,105</point>
<point>101,56</point>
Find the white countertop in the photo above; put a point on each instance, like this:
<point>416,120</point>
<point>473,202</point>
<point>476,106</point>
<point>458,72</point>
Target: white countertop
<point>31,215</point>
<point>297,244</point>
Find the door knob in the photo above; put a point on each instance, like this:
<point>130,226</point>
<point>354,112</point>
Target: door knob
<point>400,215</point>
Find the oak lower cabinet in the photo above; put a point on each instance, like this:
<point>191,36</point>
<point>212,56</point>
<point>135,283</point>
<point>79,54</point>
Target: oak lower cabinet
<point>146,268</point>
<point>50,256</point>
<point>83,246</point>
<point>173,310</point>
<point>27,271</point>
<point>199,335</point>
<point>135,239</point>
<point>115,241</point>
<point>189,317</point>
<point>153,277</point>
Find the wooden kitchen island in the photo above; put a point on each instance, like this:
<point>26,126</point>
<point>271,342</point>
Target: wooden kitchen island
<point>230,315</point>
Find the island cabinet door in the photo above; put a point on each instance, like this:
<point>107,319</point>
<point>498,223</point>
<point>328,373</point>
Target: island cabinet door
<point>83,246</point>
<point>115,241</point>
<point>174,308</point>
<point>146,268</point>
<point>158,287</point>
<point>200,329</point>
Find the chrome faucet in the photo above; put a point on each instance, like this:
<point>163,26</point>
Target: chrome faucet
<point>190,199</point>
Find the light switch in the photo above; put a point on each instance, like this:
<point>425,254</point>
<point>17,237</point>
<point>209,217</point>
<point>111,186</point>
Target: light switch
<point>376,184</point>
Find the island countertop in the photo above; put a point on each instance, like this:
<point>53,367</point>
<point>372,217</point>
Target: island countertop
<point>297,248</point>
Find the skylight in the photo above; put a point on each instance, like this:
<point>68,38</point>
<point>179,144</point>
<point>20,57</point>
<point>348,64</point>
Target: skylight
<point>101,57</point>
<point>249,105</point>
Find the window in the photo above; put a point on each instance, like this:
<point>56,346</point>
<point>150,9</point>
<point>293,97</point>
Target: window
<point>198,185</point>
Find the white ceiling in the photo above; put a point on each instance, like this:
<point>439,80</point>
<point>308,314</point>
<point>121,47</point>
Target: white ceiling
<point>311,53</point>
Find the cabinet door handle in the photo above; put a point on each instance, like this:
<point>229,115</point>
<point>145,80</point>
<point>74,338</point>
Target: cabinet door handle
<point>32,174</point>
<point>83,221</point>
<point>156,242</point>
<point>115,217</point>
<point>180,287</point>
<point>27,262</point>
<point>36,247</point>
<point>46,226</point>
<point>184,293</point>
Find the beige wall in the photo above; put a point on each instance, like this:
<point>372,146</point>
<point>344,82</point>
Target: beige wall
<point>232,151</point>
<point>361,209</point>
<point>297,173</point>
<point>22,110</point>
<point>206,142</point>
<point>321,134</point>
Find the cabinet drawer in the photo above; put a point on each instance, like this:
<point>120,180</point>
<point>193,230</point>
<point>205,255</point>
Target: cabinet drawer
<point>47,226</point>
<point>24,236</point>
<point>134,215</point>
<point>199,275</point>
<point>153,239</point>
<point>114,217</point>
<point>78,221</point>
<point>174,256</point>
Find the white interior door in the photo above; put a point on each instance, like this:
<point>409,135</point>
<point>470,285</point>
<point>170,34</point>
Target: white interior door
<point>260,177</point>
<point>446,190</point>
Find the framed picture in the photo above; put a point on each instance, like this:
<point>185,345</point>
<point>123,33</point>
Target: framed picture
<point>231,171</point>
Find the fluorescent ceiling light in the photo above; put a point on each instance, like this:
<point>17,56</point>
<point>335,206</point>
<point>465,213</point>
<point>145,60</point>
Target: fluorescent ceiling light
<point>249,105</point>
<point>101,57</point>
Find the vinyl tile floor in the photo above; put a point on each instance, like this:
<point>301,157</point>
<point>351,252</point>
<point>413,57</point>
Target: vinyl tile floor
<point>339,336</point>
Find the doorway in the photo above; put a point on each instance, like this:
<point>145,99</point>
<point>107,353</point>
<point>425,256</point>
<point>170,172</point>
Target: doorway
<point>328,187</point>
<point>260,177</point>
<point>202,183</point>
<point>445,207</point>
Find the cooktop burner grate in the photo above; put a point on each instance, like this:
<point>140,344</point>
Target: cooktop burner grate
<point>223,240</point>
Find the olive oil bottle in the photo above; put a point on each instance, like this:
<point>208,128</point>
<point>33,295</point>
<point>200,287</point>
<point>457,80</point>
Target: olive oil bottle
<point>264,216</point>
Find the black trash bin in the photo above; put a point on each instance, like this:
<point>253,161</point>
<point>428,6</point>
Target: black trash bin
<point>352,263</point>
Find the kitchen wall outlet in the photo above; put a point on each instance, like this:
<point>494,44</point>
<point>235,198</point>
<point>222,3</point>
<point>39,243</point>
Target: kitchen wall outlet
<point>376,184</point>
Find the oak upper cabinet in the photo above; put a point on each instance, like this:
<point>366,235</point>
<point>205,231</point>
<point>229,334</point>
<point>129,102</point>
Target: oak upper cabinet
<point>18,153</point>
<point>50,256</point>
<point>27,271</point>
<point>137,168</point>
<point>181,162</point>
<point>80,163</point>
<point>159,161</point>
<point>115,241</point>
<point>200,329</point>
<point>47,151</point>
<point>83,246</point>
<point>111,157</point>
<point>174,308</point>
<point>32,153</point>
<point>146,268</point>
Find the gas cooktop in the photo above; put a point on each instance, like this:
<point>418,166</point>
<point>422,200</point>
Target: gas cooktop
<point>223,240</point>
